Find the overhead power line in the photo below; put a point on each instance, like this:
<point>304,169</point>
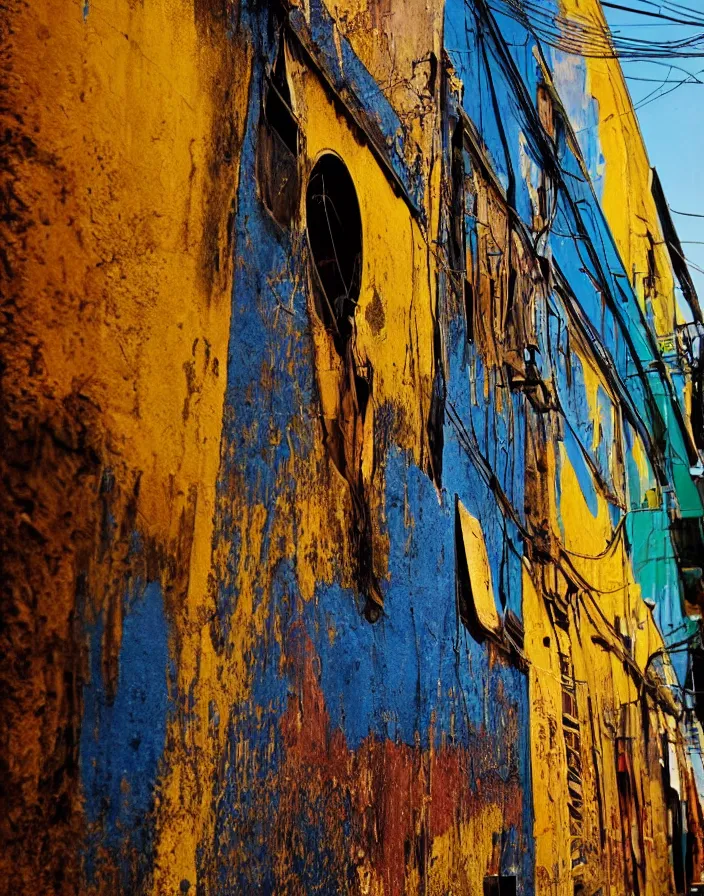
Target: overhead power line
<point>580,36</point>
<point>686,214</point>
<point>654,15</point>
<point>672,7</point>
<point>660,81</point>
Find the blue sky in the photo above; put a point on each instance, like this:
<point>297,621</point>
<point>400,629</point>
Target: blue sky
<point>672,123</point>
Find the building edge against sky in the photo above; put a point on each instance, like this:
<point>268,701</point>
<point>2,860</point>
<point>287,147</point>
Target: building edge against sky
<point>352,455</point>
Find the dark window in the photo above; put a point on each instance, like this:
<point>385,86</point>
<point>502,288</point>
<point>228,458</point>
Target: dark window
<point>277,106</point>
<point>500,885</point>
<point>334,228</point>
<point>469,309</point>
<point>457,234</point>
<point>277,148</point>
<point>697,661</point>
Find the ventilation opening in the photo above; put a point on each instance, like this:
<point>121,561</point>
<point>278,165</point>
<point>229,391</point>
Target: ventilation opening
<point>277,149</point>
<point>500,885</point>
<point>335,239</point>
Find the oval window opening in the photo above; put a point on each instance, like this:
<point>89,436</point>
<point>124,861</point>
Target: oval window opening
<point>335,238</point>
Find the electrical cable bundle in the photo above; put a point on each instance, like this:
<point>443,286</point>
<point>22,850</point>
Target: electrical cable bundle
<point>584,37</point>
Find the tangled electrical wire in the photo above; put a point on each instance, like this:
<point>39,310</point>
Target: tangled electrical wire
<point>591,37</point>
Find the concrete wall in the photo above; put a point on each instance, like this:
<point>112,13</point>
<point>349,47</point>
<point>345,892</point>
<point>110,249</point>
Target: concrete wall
<point>304,603</point>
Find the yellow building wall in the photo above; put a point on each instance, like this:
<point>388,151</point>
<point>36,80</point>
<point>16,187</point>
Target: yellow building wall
<point>610,684</point>
<point>627,200</point>
<point>122,124</point>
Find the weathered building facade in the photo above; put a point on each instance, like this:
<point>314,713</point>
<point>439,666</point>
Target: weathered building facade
<point>351,532</point>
